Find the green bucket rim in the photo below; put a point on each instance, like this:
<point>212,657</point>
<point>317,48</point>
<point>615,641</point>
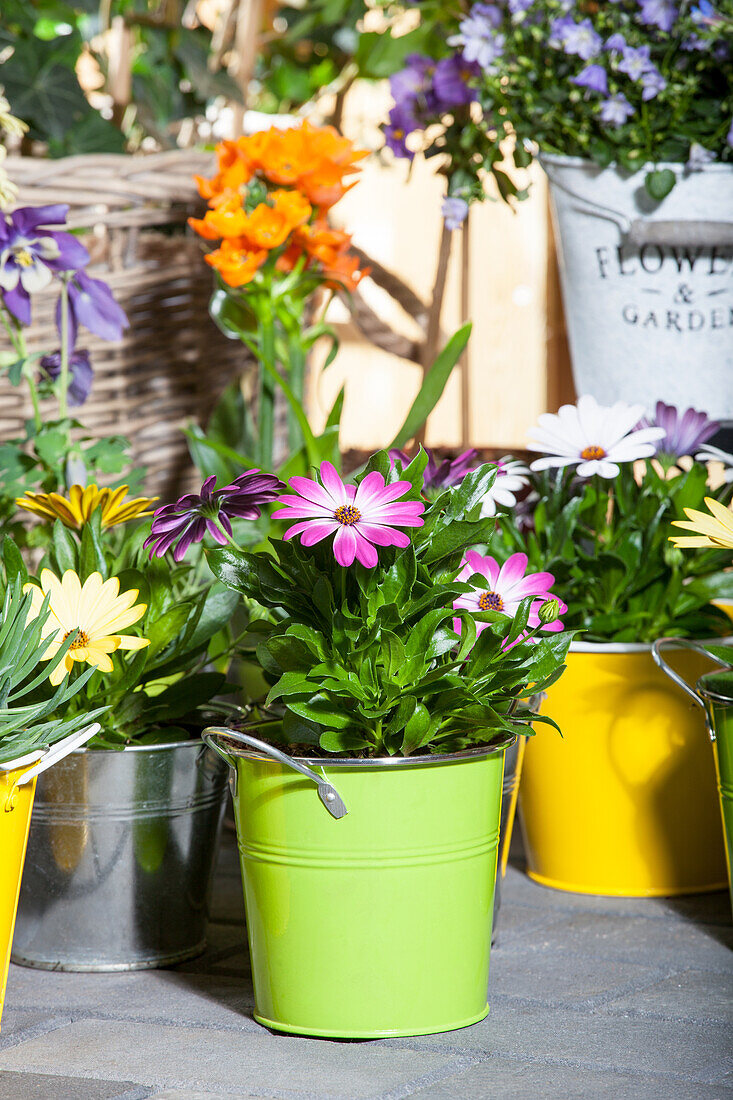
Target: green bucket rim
<point>710,693</point>
<point>461,757</point>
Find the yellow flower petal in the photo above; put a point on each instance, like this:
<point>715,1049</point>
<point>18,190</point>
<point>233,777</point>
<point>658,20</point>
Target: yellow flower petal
<point>129,641</point>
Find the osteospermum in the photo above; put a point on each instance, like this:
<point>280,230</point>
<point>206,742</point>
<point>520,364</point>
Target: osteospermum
<point>96,611</point>
<point>592,437</point>
<point>511,478</point>
<point>361,517</point>
<point>503,588</point>
<point>210,512</point>
<point>683,432</point>
<point>714,530</point>
<point>76,509</point>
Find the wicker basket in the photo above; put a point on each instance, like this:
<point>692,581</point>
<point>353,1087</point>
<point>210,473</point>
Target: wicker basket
<point>172,362</point>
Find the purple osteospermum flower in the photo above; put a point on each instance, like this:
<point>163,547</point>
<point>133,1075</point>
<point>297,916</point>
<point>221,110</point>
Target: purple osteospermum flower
<point>31,253</point>
<point>440,473</point>
<point>80,373</point>
<point>478,36</point>
<point>685,432</point>
<point>449,82</point>
<point>592,77</point>
<point>658,13</point>
<point>401,123</point>
<point>91,304</point>
<point>616,110</point>
<point>652,83</point>
<point>581,39</point>
<point>210,511</point>
<point>506,586</point>
<point>454,211</point>
<point>635,62</point>
<point>361,517</point>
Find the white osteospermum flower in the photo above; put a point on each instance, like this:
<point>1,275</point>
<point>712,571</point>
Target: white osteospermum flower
<point>709,453</point>
<point>593,437</point>
<point>510,479</point>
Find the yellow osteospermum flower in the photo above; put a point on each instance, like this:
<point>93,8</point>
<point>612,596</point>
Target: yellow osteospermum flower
<point>82,501</point>
<point>97,610</point>
<point>715,530</point>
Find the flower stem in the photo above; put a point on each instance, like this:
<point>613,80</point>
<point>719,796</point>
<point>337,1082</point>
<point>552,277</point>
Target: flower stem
<point>64,375</point>
<point>266,410</point>
<point>296,370</point>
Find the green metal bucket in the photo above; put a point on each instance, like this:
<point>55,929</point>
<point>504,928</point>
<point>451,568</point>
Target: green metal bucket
<point>713,692</point>
<point>368,912</point>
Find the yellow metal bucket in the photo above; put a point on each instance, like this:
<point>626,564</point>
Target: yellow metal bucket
<point>17,790</point>
<point>625,803</point>
<point>16,803</point>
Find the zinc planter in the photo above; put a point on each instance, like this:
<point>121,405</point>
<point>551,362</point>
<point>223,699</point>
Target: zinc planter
<point>368,885</point>
<point>714,693</point>
<point>120,859</point>
<point>17,788</point>
<point>624,803</point>
<point>647,286</point>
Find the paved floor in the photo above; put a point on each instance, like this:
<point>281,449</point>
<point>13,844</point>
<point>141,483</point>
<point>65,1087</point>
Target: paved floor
<point>591,999</point>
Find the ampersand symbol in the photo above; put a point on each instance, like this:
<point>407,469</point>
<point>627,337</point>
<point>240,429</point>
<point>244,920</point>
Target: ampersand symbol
<point>684,295</point>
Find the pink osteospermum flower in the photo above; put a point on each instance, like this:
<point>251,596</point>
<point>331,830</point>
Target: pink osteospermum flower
<point>361,517</point>
<point>506,586</point>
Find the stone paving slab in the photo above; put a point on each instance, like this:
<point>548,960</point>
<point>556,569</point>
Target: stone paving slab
<point>591,998</point>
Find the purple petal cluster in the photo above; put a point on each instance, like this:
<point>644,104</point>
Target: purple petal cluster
<point>423,91</point>
<point>454,211</point>
<point>210,512</point>
<point>80,373</point>
<point>478,36</point>
<point>92,304</point>
<point>580,38</point>
<point>616,110</point>
<point>441,473</point>
<point>32,251</point>
<point>684,432</point>
<point>658,13</point>
<point>594,78</point>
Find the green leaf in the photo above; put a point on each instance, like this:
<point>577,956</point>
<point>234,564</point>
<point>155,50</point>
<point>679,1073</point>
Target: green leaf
<point>13,561</point>
<point>346,741</point>
<point>65,548</point>
<point>232,315</point>
<point>416,729</point>
<point>659,183</point>
<point>432,387</point>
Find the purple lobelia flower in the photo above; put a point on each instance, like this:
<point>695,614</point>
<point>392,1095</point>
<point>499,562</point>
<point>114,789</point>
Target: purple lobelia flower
<point>91,304</point>
<point>593,78</point>
<point>361,517</point>
<point>698,157</point>
<point>478,36</point>
<point>615,44</point>
<point>558,29</point>
<point>210,512</point>
<point>450,87</point>
<point>455,211</point>
<point>658,13</point>
<point>635,62</point>
<point>581,39</point>
<point>684,432</point>
<point>652,83</point>
<point>31,254</point>
<point>412,82</point>
<point>440,474</point>
<point>616,110</point>
<point>519,7</point>
<point>80,373</point>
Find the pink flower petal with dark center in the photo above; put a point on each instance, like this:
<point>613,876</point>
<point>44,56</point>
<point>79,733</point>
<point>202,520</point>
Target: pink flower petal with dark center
<point>333,484</point>
<point>512,570</point>
<point>312,491</point>
<point>383,536</point>
<point>344,545</point>
<point>365,552</point>
<point>317,530</point>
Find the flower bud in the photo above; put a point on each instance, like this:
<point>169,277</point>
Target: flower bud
<point>549,611</point>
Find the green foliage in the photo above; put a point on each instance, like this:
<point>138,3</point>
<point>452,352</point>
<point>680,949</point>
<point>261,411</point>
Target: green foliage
<point>171,78</point>
<point>32,714</point>
<point>606,542</point>
<point>156,691</point>
<point>368,661</point>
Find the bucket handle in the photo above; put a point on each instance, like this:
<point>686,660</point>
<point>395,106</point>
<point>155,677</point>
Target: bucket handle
<point>44,760</point>
<point>327,793</point>
<point>641,231</point>
<point>682,643</point>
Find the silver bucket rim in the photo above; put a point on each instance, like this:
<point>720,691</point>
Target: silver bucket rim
<point>562,160</point>
<point>139,748</point>
<point>479,752</point>
<point>714,696</point>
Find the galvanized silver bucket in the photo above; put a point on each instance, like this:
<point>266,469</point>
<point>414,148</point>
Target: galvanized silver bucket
<point>120,859</point>
<point>647,286</point>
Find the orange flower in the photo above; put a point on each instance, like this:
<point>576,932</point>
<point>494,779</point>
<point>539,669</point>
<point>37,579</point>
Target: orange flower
<point>234,261</point>
<point>269,226</point>
<point>228,219</point>
<point>321,242</point>
<point>234,172</point>
<point>344,272</point>
<point>289,258</point>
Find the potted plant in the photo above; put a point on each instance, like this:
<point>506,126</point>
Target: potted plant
<point>398,661</point>
<point>624,804</point>
<point>714,690</point>
<point>126,830</point>
<point>31,739</point>
<point>630,108</point>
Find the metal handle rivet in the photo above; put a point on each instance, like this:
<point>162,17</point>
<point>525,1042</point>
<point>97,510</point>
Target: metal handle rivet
<point>330,796</point>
